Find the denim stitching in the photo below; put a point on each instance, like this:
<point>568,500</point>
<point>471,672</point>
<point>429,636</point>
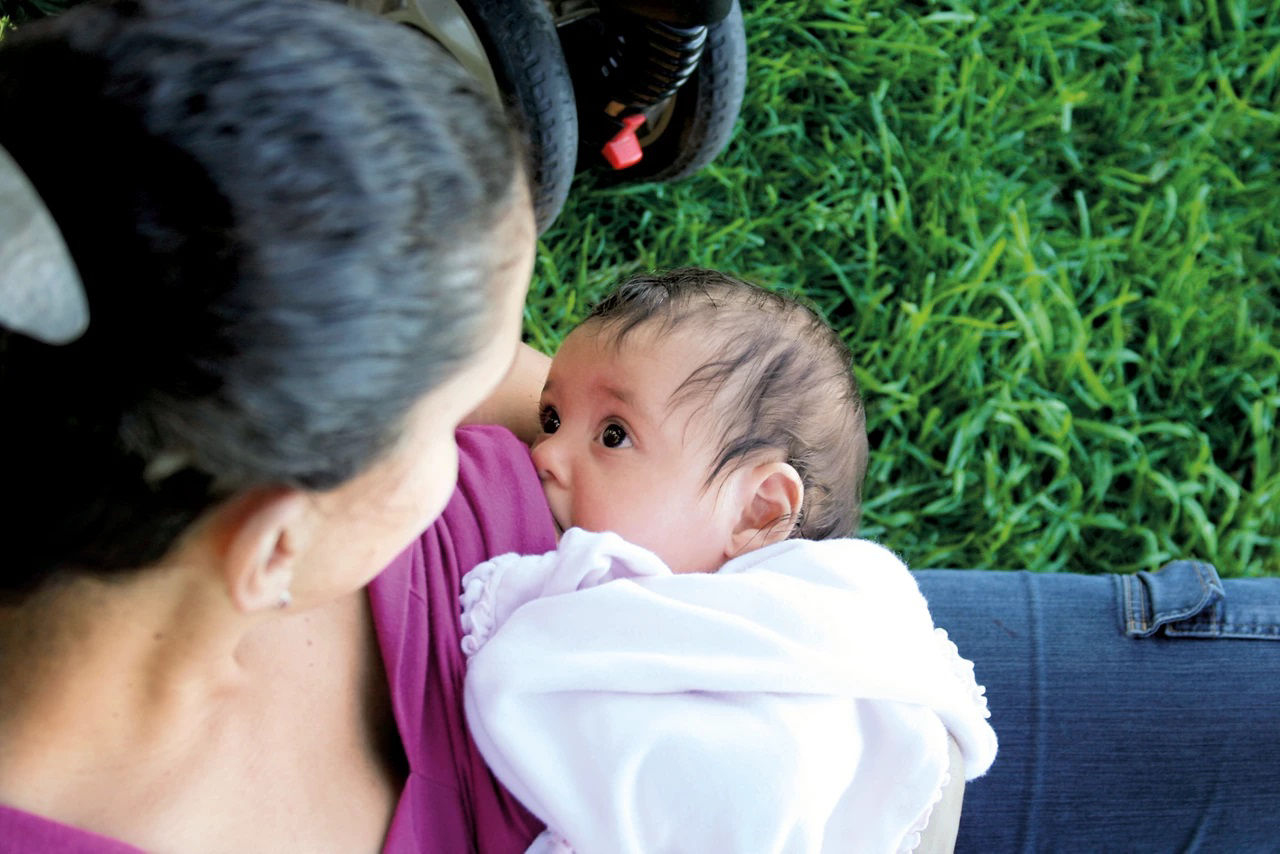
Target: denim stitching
<point>1135,623</point>
<point>1192,611</point>
<point>1210,609</point>
<point>1245,631</point>
<point>1253,630</point>
<point>1206,581</point>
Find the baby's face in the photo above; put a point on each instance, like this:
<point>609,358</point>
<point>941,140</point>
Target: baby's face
<point>616,454</point>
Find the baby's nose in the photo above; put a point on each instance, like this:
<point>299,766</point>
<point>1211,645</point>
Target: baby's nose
<point>548,460</point>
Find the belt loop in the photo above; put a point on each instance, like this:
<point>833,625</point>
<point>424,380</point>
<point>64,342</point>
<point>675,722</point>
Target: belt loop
<point>1183,598</point>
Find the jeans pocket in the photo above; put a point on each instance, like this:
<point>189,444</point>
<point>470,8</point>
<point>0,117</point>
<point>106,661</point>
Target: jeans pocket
<point>1186,598</point>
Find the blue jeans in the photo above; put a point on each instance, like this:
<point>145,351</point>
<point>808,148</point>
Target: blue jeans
<point>1135,713</point>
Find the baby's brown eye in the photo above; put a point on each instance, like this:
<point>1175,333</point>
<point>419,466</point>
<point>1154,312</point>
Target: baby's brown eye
<point>614,436</point>
<point>550,419</point>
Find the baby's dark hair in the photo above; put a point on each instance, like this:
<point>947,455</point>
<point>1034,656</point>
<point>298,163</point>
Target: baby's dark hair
<point>783,379</point>
<point>282,212</point>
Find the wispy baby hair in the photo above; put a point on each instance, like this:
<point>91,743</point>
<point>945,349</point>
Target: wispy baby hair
<point>780,379</point>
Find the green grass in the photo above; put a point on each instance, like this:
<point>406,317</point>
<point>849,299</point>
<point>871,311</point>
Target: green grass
<point>1050,233</point>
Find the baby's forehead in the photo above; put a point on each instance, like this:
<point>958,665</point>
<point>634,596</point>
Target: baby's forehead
<point>692,340</point>
<point>684,363</point>
<point>658,361</point>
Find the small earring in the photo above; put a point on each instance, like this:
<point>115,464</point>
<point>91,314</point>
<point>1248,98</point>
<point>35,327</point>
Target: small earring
<point>286,599</point>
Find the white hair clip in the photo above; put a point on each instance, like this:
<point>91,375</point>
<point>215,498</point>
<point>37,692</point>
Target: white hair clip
<point>40,290</point>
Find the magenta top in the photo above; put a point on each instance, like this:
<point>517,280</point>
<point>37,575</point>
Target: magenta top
<point>450,803</point>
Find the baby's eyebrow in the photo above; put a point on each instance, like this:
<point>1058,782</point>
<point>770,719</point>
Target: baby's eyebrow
<point>619,394</point>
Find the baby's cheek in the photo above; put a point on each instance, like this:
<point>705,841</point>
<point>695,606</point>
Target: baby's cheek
<point>597,512</point>
<point>708,535</point>
<point>625,516</point>
<point>683,540</point>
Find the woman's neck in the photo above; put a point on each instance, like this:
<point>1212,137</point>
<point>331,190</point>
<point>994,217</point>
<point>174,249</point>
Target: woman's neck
<point>125,707</point>
<point>93,662</point>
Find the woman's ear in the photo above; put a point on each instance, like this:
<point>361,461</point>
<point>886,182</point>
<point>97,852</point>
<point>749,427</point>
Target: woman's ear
<point>262,536</point>
<point>771,496</point>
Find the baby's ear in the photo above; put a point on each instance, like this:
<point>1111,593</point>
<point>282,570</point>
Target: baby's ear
<point>771,496</point>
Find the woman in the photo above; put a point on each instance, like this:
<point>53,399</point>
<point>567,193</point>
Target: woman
<point>305,240</point>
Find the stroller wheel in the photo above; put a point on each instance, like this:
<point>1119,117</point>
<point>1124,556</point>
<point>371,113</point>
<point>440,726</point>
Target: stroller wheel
<point>510,44</point>
<point>524,50</point>
<point>695,124</point>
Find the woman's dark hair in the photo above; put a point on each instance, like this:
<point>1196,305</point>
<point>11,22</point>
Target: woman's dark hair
<point>281,212</point>
<point>780,379</point>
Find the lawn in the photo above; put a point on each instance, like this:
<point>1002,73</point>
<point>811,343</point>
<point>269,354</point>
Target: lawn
<point>1050,233</point>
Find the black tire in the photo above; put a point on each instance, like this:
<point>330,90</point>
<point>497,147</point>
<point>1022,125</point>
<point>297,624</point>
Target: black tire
<point>702,113</point>
<point>524,52</point>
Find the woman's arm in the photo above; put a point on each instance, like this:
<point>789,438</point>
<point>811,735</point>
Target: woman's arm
<point>939,837</point>
<point>514,404</point>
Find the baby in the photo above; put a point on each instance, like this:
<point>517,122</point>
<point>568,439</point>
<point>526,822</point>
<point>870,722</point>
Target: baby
<point>706,663</point>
